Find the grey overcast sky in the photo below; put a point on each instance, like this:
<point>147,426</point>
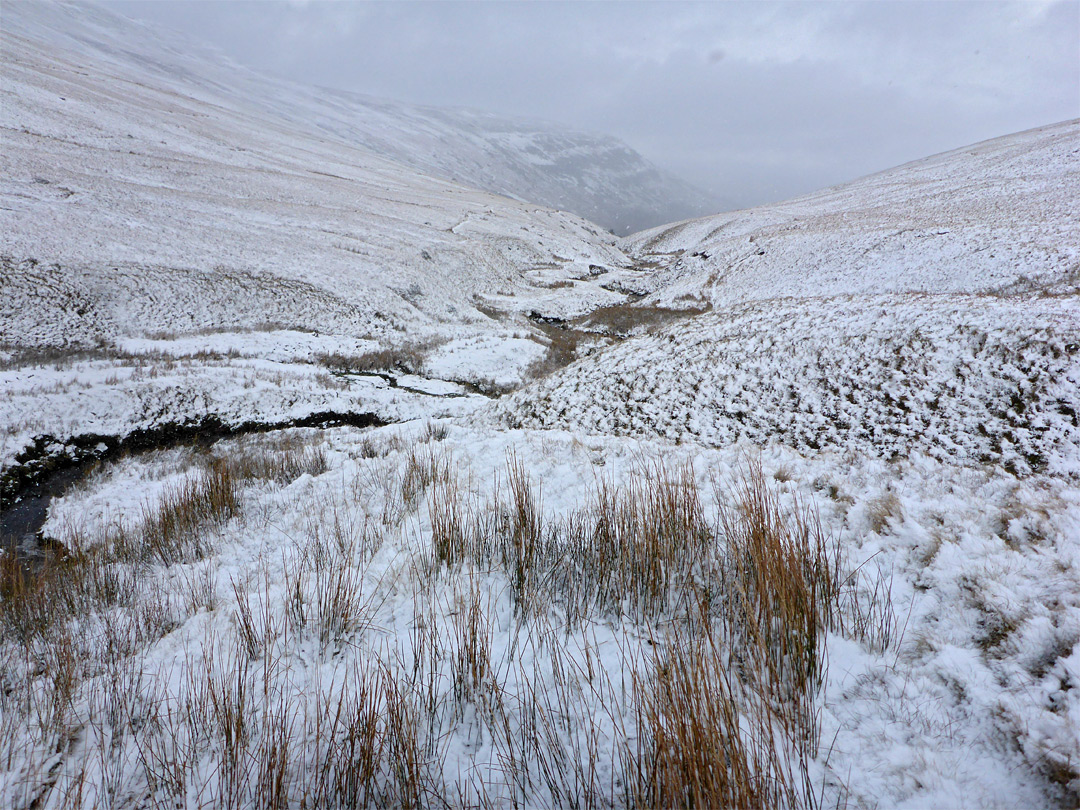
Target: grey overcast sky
<point>753,101</point>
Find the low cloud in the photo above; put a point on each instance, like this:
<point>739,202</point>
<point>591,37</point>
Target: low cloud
<point>752,101</point>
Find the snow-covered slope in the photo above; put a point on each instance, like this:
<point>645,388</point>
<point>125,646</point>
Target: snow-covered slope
<point>994,215</point>
<point>595,176</point>
<point>970,379</point>
<point>931,308</point>
<point>137,199</point>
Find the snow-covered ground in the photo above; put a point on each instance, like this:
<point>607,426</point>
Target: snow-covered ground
<point>975,379</point>
<point>114,397</point>
<point>968,698</point>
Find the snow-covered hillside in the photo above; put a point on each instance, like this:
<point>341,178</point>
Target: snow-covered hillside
<point>923,323</point>
<point>973,379</point>
<point>142,201</point>
<point>998,215</point>
<point>931,308</point>
<point>595,176</point>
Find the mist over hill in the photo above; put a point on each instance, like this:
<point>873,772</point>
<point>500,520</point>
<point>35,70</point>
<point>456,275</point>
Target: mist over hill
<point>595,176</point>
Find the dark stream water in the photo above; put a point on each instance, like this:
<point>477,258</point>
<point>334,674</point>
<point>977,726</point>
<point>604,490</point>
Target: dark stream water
<point>50,467</point>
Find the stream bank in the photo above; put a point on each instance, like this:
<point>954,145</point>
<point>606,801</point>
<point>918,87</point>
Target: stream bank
<point>49,467</point>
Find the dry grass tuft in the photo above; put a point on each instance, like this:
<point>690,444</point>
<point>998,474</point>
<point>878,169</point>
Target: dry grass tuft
<point>407,358</point>
<point>424,466</point>
<point>729,704</point>
<point>174,529</point>
<point>633,551</point>
<point>781,584</point>
<point>883,510</point>
<point>280,458</point>
<point>707,739</point>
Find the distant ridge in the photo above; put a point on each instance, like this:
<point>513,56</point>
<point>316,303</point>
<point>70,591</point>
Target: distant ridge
<point>996,215</point>
<point>595,176</point>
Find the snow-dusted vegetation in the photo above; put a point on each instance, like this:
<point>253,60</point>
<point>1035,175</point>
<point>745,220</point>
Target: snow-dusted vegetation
<point>975,379</point>
<point>328,483</point>
<point>434,613</point>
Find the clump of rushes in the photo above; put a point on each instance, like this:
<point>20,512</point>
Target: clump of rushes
<point>706,738</point>
<point>174,529</point>
<point>281,459</point>
<point>407,358</point>
<point>633,551</point>
<point>781,581</point>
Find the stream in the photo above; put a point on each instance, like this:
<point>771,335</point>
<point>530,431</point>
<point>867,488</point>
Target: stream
<point>43,473</point>
<point>50,466</point>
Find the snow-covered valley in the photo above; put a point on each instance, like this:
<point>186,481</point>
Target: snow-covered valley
<point>778,507</point>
